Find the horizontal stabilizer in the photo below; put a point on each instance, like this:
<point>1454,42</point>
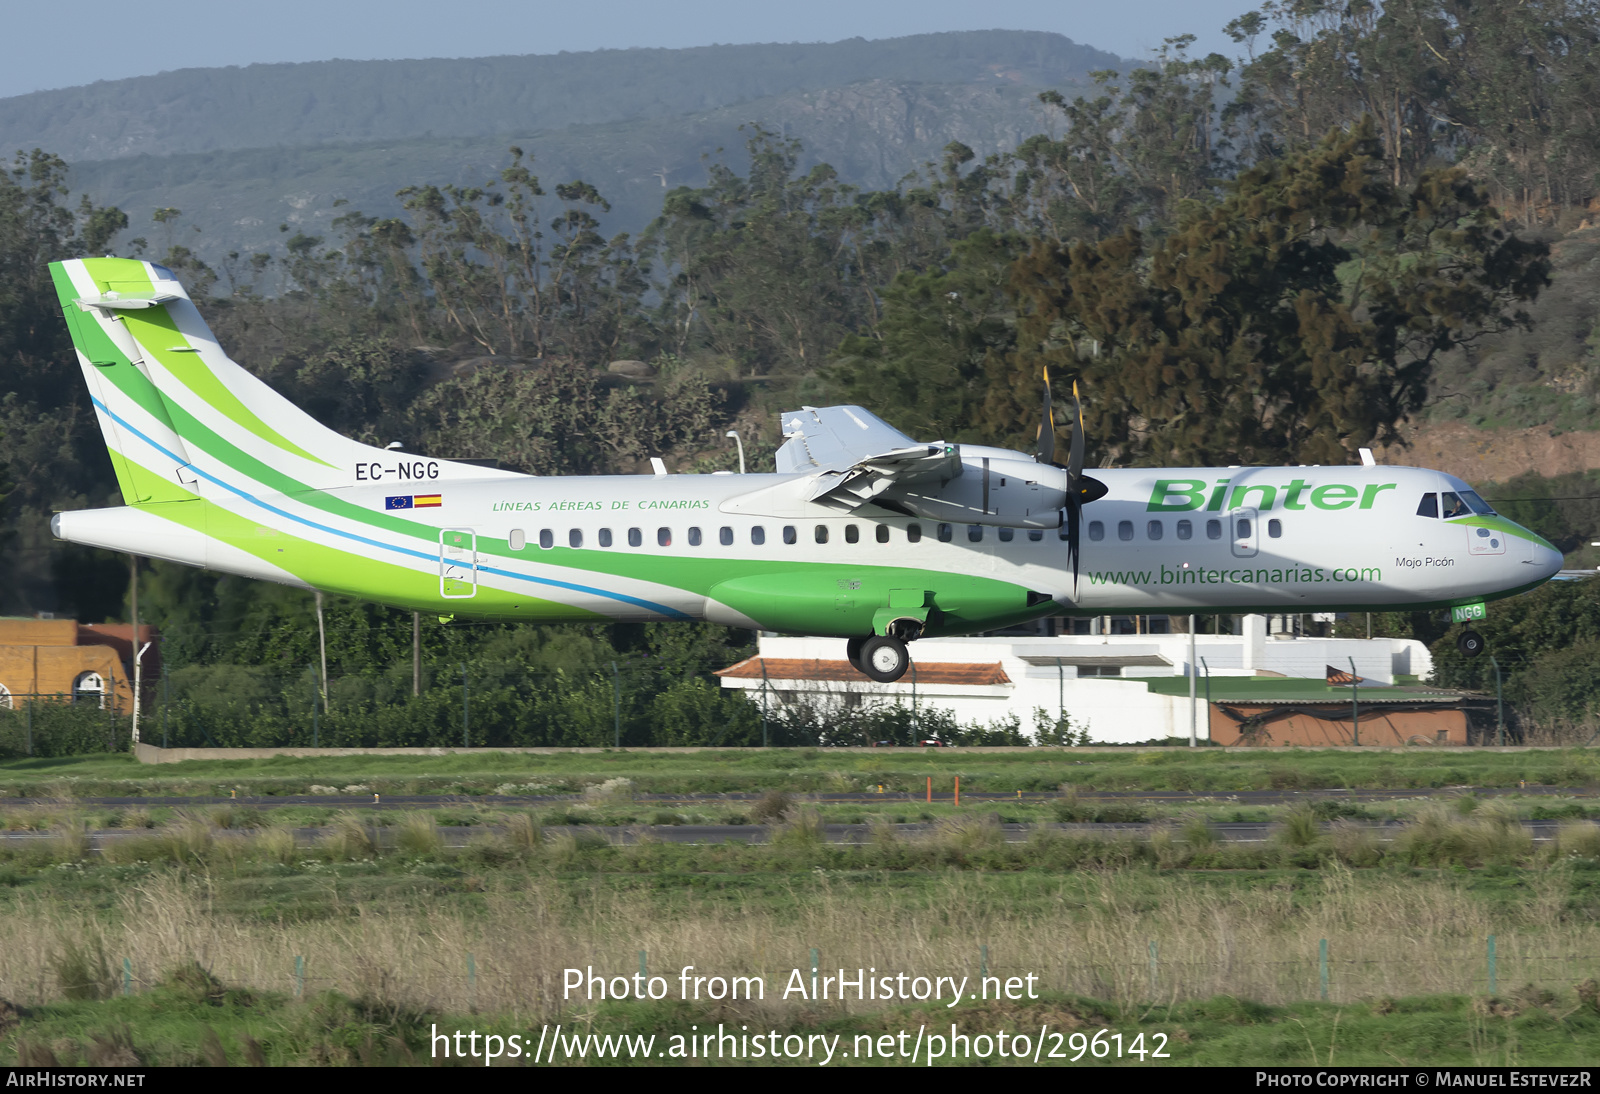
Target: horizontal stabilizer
<point>116,301</point>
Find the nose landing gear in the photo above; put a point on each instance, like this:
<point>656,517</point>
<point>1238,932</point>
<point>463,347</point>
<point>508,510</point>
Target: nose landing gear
<point>1470,643</point>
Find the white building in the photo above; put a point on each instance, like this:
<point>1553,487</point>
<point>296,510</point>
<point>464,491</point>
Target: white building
<point>1121,688</point>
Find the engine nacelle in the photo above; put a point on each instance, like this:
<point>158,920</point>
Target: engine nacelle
<point>995,486</point>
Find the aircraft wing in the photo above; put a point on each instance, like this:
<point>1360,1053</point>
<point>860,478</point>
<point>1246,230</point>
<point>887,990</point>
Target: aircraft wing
<point>832,438</point>
<point>857,457</point>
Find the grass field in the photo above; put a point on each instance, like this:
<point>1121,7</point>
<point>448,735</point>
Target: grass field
<point>754,770</point>
<point>232,942</point>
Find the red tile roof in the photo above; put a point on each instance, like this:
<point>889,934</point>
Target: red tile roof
<point>801,668</point>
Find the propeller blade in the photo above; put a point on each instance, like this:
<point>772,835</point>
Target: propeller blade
<point>1047,428</point>
<point>1074,526</point>
<point>1075,459</point>
<point>1081,489</point>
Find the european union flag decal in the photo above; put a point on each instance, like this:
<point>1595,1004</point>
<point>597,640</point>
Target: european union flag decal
<point>401,502</point>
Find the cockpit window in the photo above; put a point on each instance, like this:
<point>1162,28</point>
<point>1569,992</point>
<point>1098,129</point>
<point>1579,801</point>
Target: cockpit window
<point>1453,505</point>
<point>1478,505</point>
<point>1429,506</point>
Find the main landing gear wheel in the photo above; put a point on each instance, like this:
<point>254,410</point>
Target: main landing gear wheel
<point>884,659</point>
<point>852,650</point>
<point>1470,643</point>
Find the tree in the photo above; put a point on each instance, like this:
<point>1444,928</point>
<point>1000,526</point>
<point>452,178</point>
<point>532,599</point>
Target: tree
<point>762,271</point>
<point>1508,90</point>
<point>927,367</point>
<point>1134,154</point>
<point>48,434</point>
<point>1294,321</point>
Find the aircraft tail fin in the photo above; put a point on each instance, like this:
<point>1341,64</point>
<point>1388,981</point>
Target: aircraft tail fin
<point>176,412</point>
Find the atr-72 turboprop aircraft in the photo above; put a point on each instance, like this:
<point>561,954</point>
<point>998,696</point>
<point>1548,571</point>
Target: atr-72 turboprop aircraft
<point>863,533</point>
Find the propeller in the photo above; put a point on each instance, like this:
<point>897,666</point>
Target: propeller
<point>1047,429</point>
<point>1081,489</point>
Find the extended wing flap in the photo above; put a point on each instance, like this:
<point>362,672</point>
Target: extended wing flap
<point>886,473</point>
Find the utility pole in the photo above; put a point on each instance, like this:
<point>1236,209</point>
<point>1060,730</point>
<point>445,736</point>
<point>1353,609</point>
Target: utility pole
<point>416,654</point>
<point>1355,699</point>
<point>616,707</point>
<point>133,642</point>
<point>1499,707</point>
<point>322,649</point>
<point>1194,710</point>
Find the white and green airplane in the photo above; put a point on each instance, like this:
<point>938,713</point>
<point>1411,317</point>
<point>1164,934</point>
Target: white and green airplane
<point>862,533</point>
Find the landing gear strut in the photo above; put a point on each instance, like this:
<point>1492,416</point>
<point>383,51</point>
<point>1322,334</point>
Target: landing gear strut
<point>884,658</point>
<point>1470,643</point>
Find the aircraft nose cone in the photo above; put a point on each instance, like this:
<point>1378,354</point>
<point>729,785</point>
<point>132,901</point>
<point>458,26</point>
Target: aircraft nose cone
<point>1547,559</point>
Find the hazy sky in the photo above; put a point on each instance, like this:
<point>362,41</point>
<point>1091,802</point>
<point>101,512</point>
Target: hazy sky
<point>56,45</point>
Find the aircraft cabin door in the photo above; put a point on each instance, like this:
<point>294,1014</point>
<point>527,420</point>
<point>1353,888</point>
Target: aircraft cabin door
<point>458,563</point>
<point>1243,528</point>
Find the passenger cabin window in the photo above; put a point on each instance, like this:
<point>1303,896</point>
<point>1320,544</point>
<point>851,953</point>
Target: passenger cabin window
<point>1035,535</point>
<point>694,537</point>
<point>1154,529</point>
<point>1186,529</point>
<point>1097,530</point>
<point>1241,528</point>
<point>946,533</point>
<point>821,533</point>
<point>1125,530</point>
<point>664,537</point>
<point>517,540</point>
<point>1007,534</point>
<point>575,538</point>
<point>605,537</point>
<point>974,533</point>
<point>882,533</point>
<point>913,533</point>
<point>725,536</point>
<point>1275,528</point>
<point>547,538</point>
<point>758,535</point>
<point>852,534</point>
<point>1213,529</point>
<point>1429,506</point>
<point>790,535</point>
<point>635,538</point>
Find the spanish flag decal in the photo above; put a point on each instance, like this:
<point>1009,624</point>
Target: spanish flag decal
<point>414,501</point>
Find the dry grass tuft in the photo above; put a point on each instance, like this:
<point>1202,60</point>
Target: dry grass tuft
<point>135,818</point>
<point>274,845</point>
<point>1355,843</point>
<point>771,808</point>
<point>187,839</point>
<point>522,833</point>
<point>1439,836</point>
<point>1299,827</point>
<point>348,839</point>
<point>612,790</point>
<point>1579,838</point>
<point>801,827</point>
<point>418,834</point>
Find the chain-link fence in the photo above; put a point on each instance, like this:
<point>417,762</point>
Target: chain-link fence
<point>61,724</point>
